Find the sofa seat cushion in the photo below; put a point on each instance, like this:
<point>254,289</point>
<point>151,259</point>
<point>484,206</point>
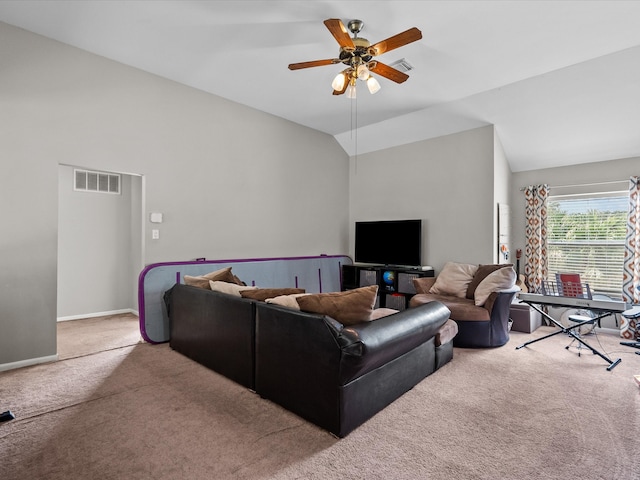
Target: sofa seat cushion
<point>446,333</point>
<point>461,308</point>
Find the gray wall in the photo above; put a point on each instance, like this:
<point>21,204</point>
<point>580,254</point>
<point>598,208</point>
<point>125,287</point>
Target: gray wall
<point>231,181</point>
<point>448,182</point>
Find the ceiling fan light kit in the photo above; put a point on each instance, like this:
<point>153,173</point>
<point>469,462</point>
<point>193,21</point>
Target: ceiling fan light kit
<point>357,53</point>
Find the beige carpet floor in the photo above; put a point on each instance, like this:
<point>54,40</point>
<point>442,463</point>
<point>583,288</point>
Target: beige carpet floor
<point>85,336</point>
<point>146,412</point>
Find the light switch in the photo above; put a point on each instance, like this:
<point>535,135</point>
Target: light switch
<point>155,217</point>
<point>155,234</point>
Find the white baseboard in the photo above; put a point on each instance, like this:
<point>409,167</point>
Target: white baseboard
<point>28,362</point>
<point>98,314</point>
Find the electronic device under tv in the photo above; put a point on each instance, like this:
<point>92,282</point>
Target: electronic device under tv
<point>389,242</point>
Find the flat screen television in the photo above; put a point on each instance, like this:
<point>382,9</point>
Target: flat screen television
<point>389,242</point>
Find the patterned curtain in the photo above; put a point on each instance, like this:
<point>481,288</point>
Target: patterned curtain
<point>631,276</point>
<point>535,269</point>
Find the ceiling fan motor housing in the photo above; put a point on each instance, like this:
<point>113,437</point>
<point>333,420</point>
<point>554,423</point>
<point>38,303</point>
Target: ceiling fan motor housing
<point>355,26</point>
<point>361,51</point>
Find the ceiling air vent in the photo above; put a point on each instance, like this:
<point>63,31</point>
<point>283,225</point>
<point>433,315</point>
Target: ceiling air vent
<point>99,182</point>
<point>402,65</point>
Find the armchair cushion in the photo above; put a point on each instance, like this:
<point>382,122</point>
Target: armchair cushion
<point>461,308</point>
<point>500,279</point>
<point>481,273</point>
<point>454,279</point>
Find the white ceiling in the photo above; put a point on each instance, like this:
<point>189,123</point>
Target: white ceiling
<point>560,80</point>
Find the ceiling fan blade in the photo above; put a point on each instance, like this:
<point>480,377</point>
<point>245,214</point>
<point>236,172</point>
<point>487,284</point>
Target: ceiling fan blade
<point>314,63</point>
<point>388,72</point>
<point>339,32</point>
<point>399,40</point>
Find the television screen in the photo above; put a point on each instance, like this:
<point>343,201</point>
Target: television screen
<point>389,242</point>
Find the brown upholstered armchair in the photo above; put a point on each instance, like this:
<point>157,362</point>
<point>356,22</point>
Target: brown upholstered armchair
<point>479,297</point>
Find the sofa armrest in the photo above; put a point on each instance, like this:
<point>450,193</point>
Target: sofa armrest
<point>368,345</point>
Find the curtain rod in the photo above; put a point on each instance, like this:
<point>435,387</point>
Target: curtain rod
<point>583,184</point>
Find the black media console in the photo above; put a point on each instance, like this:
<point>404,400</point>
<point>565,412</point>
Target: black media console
<point>395,284</point>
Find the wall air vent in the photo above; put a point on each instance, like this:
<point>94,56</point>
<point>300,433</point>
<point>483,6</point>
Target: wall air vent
<point>99,182</point>
<point>402,65</point>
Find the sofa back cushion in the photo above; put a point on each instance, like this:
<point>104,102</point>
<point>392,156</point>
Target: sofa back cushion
<point>454,279</point>
<point>262,294</point>
<point>202,281</point>
<point>349,307</point>
<point>228,288</point>
<point>288,301</point>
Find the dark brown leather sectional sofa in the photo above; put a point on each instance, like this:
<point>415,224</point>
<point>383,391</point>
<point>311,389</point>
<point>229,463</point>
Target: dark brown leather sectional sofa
<point>332,375</point>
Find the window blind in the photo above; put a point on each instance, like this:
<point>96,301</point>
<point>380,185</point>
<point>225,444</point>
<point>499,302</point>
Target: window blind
<point>586,235</point>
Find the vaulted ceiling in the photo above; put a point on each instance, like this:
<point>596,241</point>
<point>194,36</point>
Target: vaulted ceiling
<point>560,80</point>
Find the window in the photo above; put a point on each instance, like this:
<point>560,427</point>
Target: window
<point>586,235</point>
<point>87,181</point>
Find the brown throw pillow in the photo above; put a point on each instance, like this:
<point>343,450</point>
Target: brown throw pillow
<point>350,307</point>
<point>481,274</point>
<point>202,281</point>
<point>500,279</point>
<point>263,293</point>
<point>288,301</point>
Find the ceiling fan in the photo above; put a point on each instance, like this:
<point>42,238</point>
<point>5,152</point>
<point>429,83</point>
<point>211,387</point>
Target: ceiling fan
<point>357,53</point>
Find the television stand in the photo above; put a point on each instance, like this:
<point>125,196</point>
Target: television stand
<point>395,283</point>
